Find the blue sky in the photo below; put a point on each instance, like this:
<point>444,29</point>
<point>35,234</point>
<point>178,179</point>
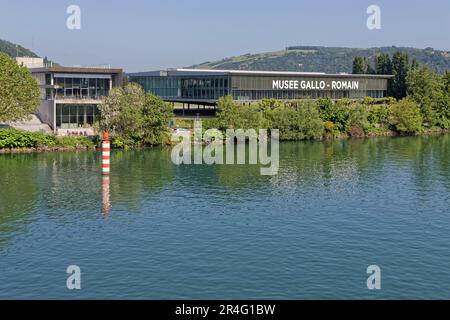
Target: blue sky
<point>143,35</point>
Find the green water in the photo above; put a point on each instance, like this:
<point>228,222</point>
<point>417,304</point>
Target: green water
<point>226,232</point>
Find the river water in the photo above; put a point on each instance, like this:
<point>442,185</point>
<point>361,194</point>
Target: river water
<point>225,231</point>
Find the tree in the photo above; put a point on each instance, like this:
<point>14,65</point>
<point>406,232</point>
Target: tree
<point>156,115</point>
<point>361,65</point>
<point>358,65</point>
<point>406,116</point>
<point>232,115</point>
<point>428,90</point>
<point>446,79</point>
<point>400,69</point>
<point>446,84</point>
<point>383,64</point>
<point>135,118</point>
<point>19,91</point>
<point>414,65</point>
<point>299,123</point>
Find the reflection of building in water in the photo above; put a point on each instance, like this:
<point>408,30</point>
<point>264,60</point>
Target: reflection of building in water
<point>106,204</point>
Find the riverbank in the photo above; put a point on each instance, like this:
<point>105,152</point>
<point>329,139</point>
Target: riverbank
<point>71,144</point>
<point>393,134</point>
<point>46,150</point>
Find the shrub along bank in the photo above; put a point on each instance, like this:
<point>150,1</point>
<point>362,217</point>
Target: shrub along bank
<point>19,140</point>
<point>322,119</point>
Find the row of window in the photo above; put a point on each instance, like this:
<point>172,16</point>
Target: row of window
<point>76,116</point>
<point>198,88</point>
<point>80,88</point>
<point>312,94</point>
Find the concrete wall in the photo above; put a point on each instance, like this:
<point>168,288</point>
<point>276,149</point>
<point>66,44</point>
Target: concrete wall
<point>30,62</point>
<point>47,112</point>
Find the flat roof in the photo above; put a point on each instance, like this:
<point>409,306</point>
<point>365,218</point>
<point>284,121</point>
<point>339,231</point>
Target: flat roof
<point>59,69</point>
<point>208,72</point>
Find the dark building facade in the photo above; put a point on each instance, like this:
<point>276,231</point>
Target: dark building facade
<point>207,86</point>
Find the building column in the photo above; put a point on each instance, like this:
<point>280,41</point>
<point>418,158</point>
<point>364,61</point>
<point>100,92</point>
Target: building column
<point>54,116</point>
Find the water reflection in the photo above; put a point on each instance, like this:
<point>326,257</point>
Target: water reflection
<point>18,192</point>
<point>106,204</point>
<point>198,230</point>
<point>56,184</point>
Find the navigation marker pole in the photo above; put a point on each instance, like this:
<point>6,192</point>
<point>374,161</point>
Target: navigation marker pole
<point>106,155</point>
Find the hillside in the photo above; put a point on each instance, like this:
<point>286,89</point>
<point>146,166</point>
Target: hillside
<point>14,50</point>
<point>324,59</point>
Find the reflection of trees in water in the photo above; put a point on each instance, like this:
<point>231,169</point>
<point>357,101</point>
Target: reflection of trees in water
<point>430,160</point>
<point>69,182</point>
<point>442,156</point>
<point>246,177</point>
<point>219,177</point>
<point>329,164</point>
<point>349,161</point>
<point>332,164</point>
<point>138,174</point>
<point>73,181</point>
<point>19,191</point>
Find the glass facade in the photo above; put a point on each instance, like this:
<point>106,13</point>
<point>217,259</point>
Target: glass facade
<point>198,85</point>
<point>72,116</point>
<point>207,88</point>
<point>81,88</point>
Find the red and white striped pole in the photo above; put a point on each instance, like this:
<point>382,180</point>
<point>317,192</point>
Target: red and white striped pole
<point>106,154</point>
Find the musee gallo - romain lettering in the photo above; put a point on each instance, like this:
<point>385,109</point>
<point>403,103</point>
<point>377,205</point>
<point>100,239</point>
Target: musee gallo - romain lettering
<point>314,85</point>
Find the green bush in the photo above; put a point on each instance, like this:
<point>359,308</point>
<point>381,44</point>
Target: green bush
<point>210,124</point>
<point>378,115</point>
<point>336,112</point>
<point>358,121</point>
<point>18,139</point>
<point>232,115</point>
<point>406,116</point>
<point>301,123</point>
<point>119,143</point>
<point>74,142</point>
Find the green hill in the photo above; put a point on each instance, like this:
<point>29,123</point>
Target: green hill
<point>14,50</point>
<point>324,59</point>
